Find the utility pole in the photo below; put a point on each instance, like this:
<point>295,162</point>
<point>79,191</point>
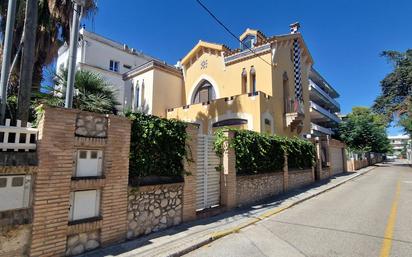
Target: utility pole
<point>26,71</point>
<point>5,66</point>
<point>74,37</point>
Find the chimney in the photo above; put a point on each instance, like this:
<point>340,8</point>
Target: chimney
<point>294,27</point>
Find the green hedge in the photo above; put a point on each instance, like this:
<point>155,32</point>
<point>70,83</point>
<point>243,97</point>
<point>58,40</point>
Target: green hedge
<point>157,147</point>
<point>262,153</point>
<point>301,153</point>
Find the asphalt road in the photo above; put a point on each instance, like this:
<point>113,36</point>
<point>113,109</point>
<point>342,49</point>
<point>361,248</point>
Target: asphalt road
<point>368,216</point>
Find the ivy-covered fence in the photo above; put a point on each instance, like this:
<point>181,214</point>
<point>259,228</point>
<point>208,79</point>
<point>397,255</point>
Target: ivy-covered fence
<point>262,153</point>
<point>157,149</point>
<point>301,153</point>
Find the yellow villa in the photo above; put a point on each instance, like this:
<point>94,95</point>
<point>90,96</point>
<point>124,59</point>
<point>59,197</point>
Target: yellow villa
<point>262,86</point>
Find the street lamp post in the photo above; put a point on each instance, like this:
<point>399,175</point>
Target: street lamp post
<point>74,37</point>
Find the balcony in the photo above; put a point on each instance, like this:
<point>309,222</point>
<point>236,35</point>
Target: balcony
<point>320,114</point>
<point>317,94</point>
<point>241,111</point>
<point>317,129</point>
<point>294,113</point>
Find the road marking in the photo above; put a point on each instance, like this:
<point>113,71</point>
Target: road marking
<point>387,241</point>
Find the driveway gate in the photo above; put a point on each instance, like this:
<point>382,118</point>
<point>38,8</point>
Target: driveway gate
<point>207,177</point>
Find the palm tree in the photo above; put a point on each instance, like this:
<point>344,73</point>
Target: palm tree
<point>54,19</point>
<point>92,93</point>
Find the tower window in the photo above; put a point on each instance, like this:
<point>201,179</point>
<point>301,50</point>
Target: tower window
<point>248,42</point>
<point>114,66</point>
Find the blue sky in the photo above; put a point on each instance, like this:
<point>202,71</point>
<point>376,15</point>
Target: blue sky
<point>344,37</point>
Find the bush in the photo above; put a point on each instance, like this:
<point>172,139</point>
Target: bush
<point>262,153</point>
<point>157,147</point>
<point>301,153</point>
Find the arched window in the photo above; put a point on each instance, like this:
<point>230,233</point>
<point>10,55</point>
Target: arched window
<point>135,96</point>
<point>252,80</point>
<point>244,81</point>
<point>142,88</point>
<point>204,93</point>
<point>286,100</point>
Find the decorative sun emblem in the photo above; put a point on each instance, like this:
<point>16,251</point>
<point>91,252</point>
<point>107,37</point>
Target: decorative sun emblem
<point>203,64</point>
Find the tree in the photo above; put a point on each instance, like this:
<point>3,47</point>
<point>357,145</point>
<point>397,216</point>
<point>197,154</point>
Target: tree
<point>396,89</point>
<point>54,19</point>
<point>93,93</point>
<point>364,131</point>
<point>26,73</point>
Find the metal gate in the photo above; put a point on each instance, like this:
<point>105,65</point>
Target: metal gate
<point>207,177</point>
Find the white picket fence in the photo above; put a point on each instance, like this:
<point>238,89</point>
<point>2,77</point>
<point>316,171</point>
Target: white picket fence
<point>21,139</point>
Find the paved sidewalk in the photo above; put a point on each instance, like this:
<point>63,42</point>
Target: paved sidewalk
<point>186,237</point>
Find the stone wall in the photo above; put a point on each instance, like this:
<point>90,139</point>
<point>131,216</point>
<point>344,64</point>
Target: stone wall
<point>152,208</point>
<point>91,125</point>
<point>300,178</point>
<point>253,188</point>
<point>81,242</point>
<point>324,173</point>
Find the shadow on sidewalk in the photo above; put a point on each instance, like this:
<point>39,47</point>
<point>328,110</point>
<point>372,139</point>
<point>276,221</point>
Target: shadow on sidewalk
<point>226,217</point>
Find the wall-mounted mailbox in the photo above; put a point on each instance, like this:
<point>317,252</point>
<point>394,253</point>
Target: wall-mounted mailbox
<point>84,205</point>
<point>15,192</point>
<point>89,163</point>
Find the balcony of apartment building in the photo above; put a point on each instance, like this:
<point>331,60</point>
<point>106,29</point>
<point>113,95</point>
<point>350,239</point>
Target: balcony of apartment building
<point>323,106</point>
<point>320,96</point>
<point>322,119</point>
<point>239,111</point>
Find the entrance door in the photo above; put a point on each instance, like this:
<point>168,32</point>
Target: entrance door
<point>336,160</point>
<point>207,177</point>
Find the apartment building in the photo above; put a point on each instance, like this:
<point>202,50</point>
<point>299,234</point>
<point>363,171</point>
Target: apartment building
<point>324,107</point>
<point>106,57</point>
<point>401,145</point>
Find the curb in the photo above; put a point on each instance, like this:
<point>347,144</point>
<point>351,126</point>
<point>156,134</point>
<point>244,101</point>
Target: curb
<point>223,233</point>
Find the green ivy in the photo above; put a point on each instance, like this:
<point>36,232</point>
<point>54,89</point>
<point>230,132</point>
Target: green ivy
<point>157,147</point>
<point>301,153</point>
<point>262,153</point>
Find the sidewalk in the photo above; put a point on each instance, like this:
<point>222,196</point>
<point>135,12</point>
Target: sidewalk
<point>186,237</point>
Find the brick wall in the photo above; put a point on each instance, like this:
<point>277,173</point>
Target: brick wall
<point>228,178</point>
<point>253,188</point>
<point>189,188</point>
<point>56,149</point>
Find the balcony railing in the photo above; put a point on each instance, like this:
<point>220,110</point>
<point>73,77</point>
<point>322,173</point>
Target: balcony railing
<point>294,106</point>
<point>324,112</point>
<point>321,129</point>
<point>324,94</point>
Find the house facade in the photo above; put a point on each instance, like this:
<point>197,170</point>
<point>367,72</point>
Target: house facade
<point>106,57</point>
<point>262,86</point>
<point>152,88</point>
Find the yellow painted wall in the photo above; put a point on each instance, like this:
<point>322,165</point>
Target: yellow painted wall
<point>162,90</point>
<point>167,92</point>
<point>242,106</point>
<point>227,79</point>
